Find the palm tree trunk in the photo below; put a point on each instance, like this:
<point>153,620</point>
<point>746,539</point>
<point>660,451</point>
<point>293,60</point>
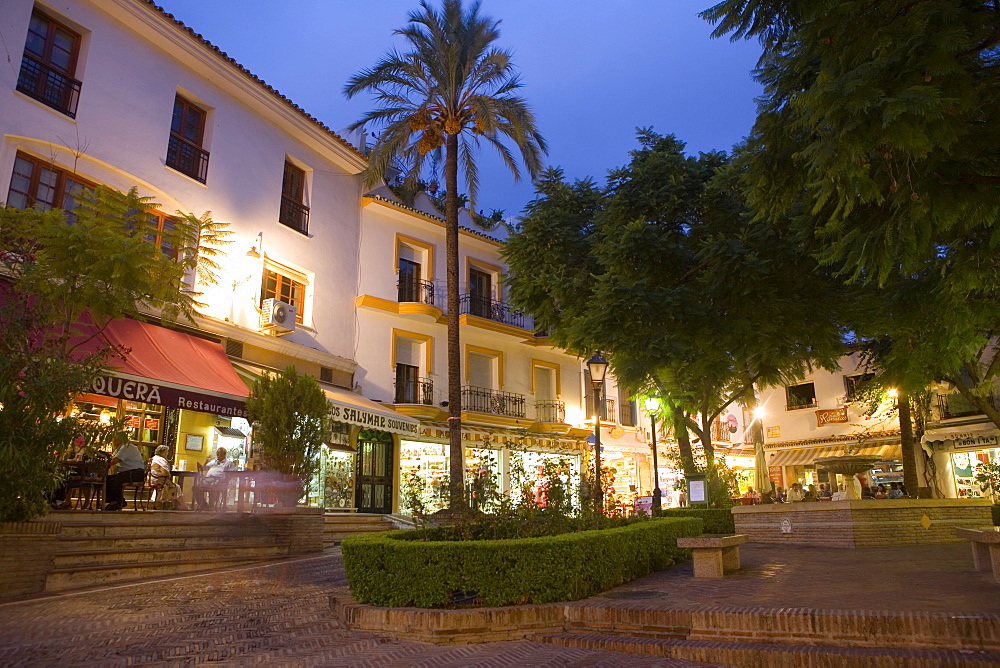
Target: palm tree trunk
<point>456,467</point>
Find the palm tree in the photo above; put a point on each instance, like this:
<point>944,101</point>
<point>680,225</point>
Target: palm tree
<point>453,90</point>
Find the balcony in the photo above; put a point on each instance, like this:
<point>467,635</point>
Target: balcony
<point>606,409</point>
<point>493,402</point>
<point>416,391</point>
<point>39,81</point>
<point>720,432</point>
<point>491,309</point>
<point>552,412</point>
<point>415,290</point>
<point>187,158</point>
<point>294,214</point>
<point>955,405</point>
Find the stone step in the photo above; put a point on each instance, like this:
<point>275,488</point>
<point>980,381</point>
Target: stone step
<point>69,517</point>
<point>81,578</point>
<point>166,542</point>
<point>770,655</point>
<point>174,528</point>
<point>220,550</point>
<point>794,626</point>
<point>366,528</point>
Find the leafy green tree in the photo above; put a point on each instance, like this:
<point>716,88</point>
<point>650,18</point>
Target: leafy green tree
<point>291,418</point>
<point>64,283</point>
<point>876,133</point>
<point>663,268</point>
<point>451,92</point>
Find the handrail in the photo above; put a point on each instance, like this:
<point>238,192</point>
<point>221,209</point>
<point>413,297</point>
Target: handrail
<point>49,86</point>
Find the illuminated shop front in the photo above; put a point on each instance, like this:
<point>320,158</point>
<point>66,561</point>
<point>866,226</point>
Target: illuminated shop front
<point>509,460</point>
<point>956,452</point>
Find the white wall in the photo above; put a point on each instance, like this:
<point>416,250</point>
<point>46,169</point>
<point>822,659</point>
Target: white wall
<point>133,62</point>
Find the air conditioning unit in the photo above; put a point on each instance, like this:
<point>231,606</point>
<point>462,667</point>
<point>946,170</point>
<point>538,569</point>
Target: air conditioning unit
<point>277,317</point>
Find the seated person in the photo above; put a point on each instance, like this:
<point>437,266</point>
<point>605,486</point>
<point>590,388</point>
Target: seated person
<point>161,481</point>
<point>894,491</point>
<point>131,468</point>
<point>795,493</point>
<point>824,491</point>
<point>880,492</point>
<point>212,482</point>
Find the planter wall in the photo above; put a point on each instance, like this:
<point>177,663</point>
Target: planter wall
<point>27,551</point>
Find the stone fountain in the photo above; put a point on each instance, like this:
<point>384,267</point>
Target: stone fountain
<point>849,466</point>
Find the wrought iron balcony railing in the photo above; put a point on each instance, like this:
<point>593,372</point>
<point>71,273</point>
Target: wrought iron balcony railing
<point>720,432</point>
<point>550,411</point>
<point>495,402</point>
<point>955,405</point>
<point>605,408</point>
<point>294,214</point>
<point>41,82</point>
<point>415,290</point>
<point>187,158</point>
<point>491,309</point>
<point>416,391</point>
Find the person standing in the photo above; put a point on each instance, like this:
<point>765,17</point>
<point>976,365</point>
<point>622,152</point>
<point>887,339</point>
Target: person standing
<point>131,468</point>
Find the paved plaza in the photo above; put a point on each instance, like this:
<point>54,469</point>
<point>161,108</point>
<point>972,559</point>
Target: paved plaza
<point>280,614</point>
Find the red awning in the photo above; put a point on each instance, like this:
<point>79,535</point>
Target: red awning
<point>170,368</point>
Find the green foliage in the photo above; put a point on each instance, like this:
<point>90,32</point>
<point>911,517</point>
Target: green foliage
<point>65,276</point>
<point>649,268</point>
<point>714,520</point>
<point>392,569</point>
<point>291,417</point>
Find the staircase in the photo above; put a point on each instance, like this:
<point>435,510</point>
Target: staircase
<point>797,638</point>
<point>338,526</point>
<point>99,548</point>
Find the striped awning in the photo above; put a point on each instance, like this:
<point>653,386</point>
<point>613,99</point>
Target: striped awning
<point>799,456</point>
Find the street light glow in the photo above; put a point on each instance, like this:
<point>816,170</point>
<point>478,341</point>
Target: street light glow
<point>652,403</point>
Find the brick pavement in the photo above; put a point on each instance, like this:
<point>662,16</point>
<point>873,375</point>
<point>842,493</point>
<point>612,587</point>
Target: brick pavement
<point>276,615</point>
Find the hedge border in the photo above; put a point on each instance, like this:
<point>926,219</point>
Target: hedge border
<point>716,520</point>
<point>386,569</point>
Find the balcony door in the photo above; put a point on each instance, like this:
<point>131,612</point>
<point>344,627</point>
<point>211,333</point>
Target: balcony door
<point>409,280</point>
<point>480,293</point>
<point>406,384</point>
<point>373,490</point>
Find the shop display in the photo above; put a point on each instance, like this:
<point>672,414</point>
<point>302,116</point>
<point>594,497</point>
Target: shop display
<point>964,465</point>
<point>423,471</point>
<point>337,474</point>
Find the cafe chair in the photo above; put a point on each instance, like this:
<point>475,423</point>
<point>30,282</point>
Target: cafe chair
<point>140,491</point>
<point>91,484</point>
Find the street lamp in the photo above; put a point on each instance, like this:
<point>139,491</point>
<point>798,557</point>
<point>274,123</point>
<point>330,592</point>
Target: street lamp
<point>598,367</point>
<point>652,403</point>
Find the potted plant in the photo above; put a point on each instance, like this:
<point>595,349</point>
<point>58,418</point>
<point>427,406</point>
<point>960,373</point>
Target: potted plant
<point>290,416</point>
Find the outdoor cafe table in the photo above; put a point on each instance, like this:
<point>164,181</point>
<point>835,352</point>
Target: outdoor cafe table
<point>246,482</point>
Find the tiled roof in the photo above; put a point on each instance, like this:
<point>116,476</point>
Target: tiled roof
<point>253,77</point>
<point>400,205</point>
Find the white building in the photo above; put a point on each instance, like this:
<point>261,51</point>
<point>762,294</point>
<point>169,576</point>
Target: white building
<point>117,92</point>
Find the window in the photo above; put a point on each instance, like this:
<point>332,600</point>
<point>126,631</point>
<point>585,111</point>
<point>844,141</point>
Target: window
<point>49,63</point>
<point>163,235</point>
<point>480,293</point>
<point>414,265</point>
<point>45,186</point>
<point>801,396</point>
<point>411,355</point>
<point>284,288</point>
<point>853,384</point>
<point>294,213</point>
<point>187,133</point>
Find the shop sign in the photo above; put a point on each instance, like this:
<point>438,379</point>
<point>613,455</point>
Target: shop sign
<point>149,392</point>
<point>152,424</point>
<point>363,418</point>
<point>774,432</point>
<point>831,416</point>
<point>774,473</point>
<point>132,421</point>
<point>976,442</point>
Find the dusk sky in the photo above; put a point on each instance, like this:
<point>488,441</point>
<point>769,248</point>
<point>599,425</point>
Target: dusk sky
<point>593,70</point>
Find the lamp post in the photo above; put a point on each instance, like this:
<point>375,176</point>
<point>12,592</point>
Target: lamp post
<point>598,367</point>
<point>651,405</point>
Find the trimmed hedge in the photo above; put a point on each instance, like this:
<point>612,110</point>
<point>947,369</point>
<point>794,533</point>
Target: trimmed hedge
<point>716,520</point>
<point>392,569</point>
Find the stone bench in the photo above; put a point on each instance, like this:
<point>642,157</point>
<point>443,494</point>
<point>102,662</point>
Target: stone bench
<point>985,548</point>
<point>714,554</point>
